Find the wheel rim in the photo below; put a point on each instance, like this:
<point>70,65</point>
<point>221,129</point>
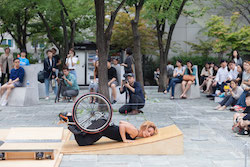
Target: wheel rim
<point>85,113</point>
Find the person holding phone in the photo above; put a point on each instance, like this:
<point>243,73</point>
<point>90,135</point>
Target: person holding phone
<point>233,93</point>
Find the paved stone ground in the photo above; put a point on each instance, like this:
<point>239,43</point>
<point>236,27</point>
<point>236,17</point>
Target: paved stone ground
<point>222,148</point>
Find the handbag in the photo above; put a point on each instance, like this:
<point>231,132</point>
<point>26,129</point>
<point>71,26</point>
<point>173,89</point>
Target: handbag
<point>40,76</point>
<point>188,77</point>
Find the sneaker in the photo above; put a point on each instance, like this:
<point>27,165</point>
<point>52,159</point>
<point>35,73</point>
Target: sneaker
<point>75,130</point>
<point>114,102</point>
<point>243,132</point>
<point>4,103</point>
<point>46,98</point>
<point>63,116</point>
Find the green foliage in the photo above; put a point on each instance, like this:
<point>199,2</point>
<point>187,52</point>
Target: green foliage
<point>149,67</point>
<point>123,37</point>
<point>227,37</point>
<point>162,10</point>
<point>203,47</point>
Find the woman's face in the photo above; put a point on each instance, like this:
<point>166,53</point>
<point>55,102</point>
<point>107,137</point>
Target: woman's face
<point>245,66</point>
<point>207,65</point>
<point>23,54</point>
<point>50,54</point>
<point>239,69</point>
<point>211,65</point>
<point>71,53</point>
<point>148,132</point>
<point>178,64</point>
<point>235,53</point>
<point>216,68</point>
<point>189,64</point>
<point>233,85</point>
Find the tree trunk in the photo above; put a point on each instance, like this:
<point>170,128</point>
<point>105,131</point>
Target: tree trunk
<point>162,79</point>
<point>164,52</point>
<point>102,53</point>
<point>65,35</point>
<point>137,54</point>
<point>137,44</point>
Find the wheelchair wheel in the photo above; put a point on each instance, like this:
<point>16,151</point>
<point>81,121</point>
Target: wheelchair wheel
<point>92,113</point>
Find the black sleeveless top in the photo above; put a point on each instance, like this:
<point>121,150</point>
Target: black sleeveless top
<point>113,132</point>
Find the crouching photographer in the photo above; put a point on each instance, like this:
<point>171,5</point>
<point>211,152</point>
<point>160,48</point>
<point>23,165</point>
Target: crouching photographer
<point>136,97</point>
<point>68,84</point>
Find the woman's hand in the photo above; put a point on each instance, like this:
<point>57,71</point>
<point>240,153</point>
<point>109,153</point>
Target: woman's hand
<point>128,141</point>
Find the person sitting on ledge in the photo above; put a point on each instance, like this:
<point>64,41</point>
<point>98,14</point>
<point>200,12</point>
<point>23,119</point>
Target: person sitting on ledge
<point>16,80</point>
<point>136,97</point>
<point>242,120</point>
<point>125,132</point>
<point>69,85</point>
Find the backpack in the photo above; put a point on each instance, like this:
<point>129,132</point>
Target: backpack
<point>40,76</point>
<point>170,72</point>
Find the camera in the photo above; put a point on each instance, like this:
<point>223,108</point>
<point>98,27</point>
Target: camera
<point>60,75</point>
<point>125,78</point>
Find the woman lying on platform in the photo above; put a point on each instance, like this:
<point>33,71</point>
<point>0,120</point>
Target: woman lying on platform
<point>125,132</point>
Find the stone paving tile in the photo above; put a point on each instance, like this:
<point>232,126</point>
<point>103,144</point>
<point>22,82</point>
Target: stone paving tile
<point>221,149</point>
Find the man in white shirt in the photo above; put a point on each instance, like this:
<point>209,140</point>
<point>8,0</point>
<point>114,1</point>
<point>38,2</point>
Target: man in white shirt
<point>233,73</point>
<point>221,77</point>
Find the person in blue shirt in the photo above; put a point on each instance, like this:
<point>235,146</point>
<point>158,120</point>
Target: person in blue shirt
<point>23,60</point>
<point>16,80</point>
<point>136,96</point>
<point>70,87</point>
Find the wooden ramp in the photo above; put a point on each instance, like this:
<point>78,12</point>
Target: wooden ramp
<point>169,141</point>
<point>33,139</point>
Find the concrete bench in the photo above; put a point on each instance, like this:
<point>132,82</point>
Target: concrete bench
<point>26,96</point>
<point>193,92</point>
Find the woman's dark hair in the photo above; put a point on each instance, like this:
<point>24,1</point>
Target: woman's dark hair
<point>208,66</point>
<point>129,51</point>
<point>190,62</point>
<point>238,55</point>
<point>180,61</point>
<point>235,81</point>
<point>248,94</point>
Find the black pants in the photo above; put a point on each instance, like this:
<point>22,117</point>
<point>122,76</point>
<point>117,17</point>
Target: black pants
<point>220,87</point>
<point>228,100</point>
<point>112,132</point>
<point>3,77</point>
<point>66,92</point>
<point>135,103</point>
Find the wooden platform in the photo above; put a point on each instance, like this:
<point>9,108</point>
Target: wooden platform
<point>169,141</point>
<point>39,138</point>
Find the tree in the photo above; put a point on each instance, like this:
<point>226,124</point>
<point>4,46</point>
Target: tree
<point>103,37</point>
<point>122,38</point>
<point>16,17</point>
<point>228,37</point>
<point>160,11</point>
<point>138,4</point>
<point>62,19</point>
<point>231,6</point>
